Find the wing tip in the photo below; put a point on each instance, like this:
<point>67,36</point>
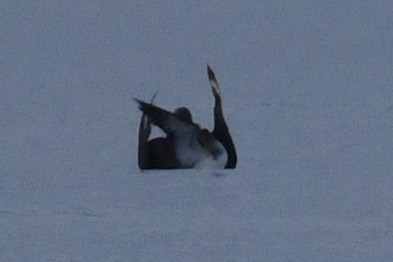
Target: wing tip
<point>143,106</point>
<point>210,73</point>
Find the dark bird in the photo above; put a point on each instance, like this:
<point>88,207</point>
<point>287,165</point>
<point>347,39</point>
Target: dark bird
<point>186,144</point>
<point>193,147</point>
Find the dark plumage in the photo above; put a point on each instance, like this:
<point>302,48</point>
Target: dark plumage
<point>186,144</point>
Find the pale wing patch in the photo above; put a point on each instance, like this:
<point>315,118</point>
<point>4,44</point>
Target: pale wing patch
<point>213,81</point>
<point>145,122</point>
<point>215,87</point>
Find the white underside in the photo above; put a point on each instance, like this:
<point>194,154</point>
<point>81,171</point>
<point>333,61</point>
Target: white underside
<point>208,162</point>
<point>192,155</point>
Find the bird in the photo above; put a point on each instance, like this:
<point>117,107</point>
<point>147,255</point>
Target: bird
<point>186,144</point>
<point>193,146</point>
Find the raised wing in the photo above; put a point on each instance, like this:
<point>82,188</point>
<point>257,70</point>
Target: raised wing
<point>221,131</point>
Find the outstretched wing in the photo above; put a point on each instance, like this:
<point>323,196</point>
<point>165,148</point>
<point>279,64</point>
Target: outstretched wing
<point>167,121</point>
<point>221,131</point>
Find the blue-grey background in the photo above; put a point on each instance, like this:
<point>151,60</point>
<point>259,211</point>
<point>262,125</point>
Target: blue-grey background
<point>307,92</point>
